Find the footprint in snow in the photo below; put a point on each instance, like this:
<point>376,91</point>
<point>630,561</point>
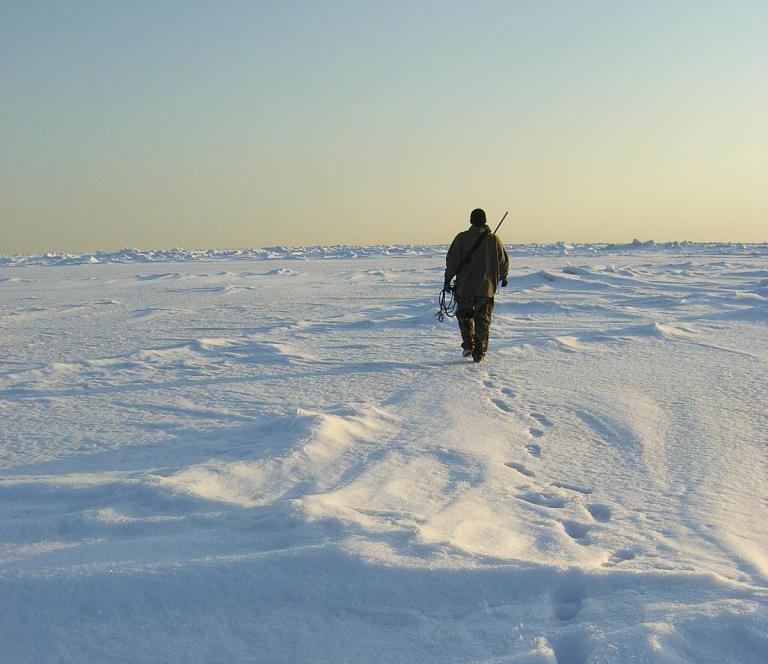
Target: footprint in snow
<point>542,419</point>
<point>506,391</point>
<point>599,512</point>
<point>534,450</point>
<point>622,555</point>
<point>575,530</point>
<point>569,595</point>
<point>543,499</point>
<point>520,468</point>
<point>536,433</point>
<point>572,647</point>
<point>502,405</point>
<point>572,487</point>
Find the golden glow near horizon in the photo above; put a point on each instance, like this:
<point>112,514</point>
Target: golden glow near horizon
<point>356,123</point>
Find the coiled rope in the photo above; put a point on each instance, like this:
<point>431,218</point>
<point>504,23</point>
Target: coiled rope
<point>446,309</point>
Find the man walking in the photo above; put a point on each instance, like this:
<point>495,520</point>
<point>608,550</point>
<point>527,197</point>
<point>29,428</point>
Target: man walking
<point>476,281</point>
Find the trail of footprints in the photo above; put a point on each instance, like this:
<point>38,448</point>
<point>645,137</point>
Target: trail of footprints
<point>600,513</point>
<point>504,404</point>
<point>503,401</point>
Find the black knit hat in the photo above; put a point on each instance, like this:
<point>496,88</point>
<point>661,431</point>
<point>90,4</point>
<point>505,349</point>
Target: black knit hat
<point>477,218</point>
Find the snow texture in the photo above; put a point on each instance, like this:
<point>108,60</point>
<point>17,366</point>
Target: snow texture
<point>132,255</point>
<point>204,458</point>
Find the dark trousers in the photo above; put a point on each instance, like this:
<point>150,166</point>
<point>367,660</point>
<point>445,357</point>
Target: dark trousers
<point>474,316</point>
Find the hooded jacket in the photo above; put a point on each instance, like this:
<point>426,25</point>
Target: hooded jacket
<point>489,262</point>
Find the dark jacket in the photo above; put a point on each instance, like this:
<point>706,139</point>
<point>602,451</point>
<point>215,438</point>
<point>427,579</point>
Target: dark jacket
<point>489,262</point>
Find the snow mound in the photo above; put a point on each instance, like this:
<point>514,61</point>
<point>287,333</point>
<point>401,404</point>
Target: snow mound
<point>321,447</point>
<point>666,331</point>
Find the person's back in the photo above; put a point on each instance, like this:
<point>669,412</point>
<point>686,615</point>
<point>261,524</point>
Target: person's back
<point>476,281</point>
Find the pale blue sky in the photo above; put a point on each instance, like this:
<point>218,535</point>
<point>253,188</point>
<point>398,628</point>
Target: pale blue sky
<point>222,124</point>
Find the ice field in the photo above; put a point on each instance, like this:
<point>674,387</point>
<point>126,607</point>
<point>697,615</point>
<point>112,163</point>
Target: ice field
<point>279,456</point>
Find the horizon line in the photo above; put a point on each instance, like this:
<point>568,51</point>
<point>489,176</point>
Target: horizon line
<point>634,242</point>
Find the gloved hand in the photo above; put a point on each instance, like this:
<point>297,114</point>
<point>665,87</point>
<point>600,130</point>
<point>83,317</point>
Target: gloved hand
<point>504,282</point>
<point>447,287</point>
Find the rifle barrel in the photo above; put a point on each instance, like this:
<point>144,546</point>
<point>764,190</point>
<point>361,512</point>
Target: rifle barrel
<point>501,222</point>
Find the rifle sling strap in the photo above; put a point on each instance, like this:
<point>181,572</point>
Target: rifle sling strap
<point>468,257</point>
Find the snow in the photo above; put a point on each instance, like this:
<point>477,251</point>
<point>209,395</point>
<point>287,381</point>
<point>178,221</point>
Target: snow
<point>178,254</point>
<point>204,458</point>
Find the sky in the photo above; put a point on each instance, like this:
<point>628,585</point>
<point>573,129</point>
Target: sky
<point>245,124</point>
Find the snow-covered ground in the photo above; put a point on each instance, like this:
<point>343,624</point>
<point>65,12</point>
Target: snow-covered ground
<point>280,457</point>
